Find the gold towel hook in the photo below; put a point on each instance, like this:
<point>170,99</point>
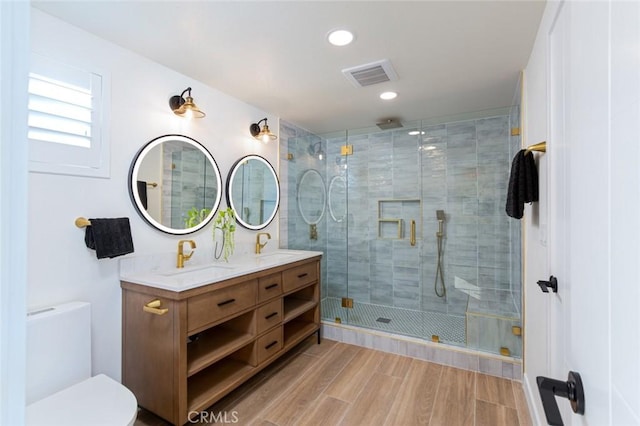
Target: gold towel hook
<point>82,222</point>
<point>539,147</point>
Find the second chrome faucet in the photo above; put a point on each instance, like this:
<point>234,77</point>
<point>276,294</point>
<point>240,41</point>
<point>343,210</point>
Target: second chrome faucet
<point>259,246</point>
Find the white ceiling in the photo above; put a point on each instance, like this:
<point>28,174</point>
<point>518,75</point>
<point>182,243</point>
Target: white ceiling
<point>451,57</point>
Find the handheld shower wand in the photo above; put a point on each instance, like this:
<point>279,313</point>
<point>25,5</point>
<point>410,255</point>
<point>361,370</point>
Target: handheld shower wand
<point>440,217</point>
<point>442,292</point>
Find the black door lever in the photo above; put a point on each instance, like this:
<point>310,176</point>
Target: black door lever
<point>551,284</point>
<point>571,389</point>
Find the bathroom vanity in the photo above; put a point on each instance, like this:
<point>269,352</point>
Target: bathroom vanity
<point>192,336</point>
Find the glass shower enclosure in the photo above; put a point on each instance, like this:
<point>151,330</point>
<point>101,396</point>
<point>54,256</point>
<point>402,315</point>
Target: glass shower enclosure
<point>412,225</point>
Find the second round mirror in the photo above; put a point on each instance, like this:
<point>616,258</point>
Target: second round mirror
<point>253,192</point>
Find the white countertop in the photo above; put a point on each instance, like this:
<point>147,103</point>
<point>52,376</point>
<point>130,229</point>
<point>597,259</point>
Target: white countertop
<point>195,275</point>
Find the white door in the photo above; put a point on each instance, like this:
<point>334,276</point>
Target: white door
<point>593,207</point>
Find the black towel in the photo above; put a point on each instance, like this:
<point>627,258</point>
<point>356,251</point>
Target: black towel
<point>523,184</point>
<point>142,192</point>
<point>109,237</point>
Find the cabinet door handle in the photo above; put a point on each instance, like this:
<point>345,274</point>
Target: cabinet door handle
<point>271,315</point>
<point>153,307</point>
<point>270,286</point>
<point>226,302</point>
<point>271,344</point>
<point>302,275</point>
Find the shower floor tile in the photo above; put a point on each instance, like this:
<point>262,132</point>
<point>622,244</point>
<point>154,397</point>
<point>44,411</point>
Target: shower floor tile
<point>450,328</point>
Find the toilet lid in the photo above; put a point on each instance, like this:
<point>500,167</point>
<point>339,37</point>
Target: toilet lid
<point>99,400</point>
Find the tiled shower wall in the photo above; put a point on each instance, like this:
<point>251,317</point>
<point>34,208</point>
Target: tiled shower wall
<point>459,167</point>
<point>295,159</point>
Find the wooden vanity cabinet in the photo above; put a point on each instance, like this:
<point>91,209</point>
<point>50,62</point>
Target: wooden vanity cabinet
<point>213,338</point>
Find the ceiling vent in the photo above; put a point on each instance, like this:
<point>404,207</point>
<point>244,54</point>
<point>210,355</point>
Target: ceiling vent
<point>372,73</point>
<point>389,123</point>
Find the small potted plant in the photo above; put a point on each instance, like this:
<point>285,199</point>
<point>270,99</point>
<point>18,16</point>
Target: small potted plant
<point>225,221</point>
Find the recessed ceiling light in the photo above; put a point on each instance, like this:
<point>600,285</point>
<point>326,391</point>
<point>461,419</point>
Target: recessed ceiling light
<point>340,37</point>
<point>387,96</point>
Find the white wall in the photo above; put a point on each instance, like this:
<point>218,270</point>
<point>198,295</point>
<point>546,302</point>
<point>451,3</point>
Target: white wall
<point>61,268</point>
<point>14,36</point>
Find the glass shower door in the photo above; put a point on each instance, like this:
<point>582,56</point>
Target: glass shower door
<point>384,230</point>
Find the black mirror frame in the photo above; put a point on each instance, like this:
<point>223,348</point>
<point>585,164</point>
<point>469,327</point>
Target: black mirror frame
<point>228,190</point>
<point>137,203</point>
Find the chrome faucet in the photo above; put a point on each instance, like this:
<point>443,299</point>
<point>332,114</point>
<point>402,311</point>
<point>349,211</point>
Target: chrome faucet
<point>183,257</point>
<point>259,246</point>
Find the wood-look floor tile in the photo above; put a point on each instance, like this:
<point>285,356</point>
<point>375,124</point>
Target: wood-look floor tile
<point>250,404</point>
<point>394,365</point>
<point>490,414</point>
<point>260,422</point>
<point>455,400</point>
<point>399,391</point>
<point>299,397</point>
<point>521,404</point>
<point>355,375</point>
<point>413,404</point>
<point>327,411</point>
<point>374,403</point>
<point>316,349</point>
<point>496,390</point>
<point>146,418</point>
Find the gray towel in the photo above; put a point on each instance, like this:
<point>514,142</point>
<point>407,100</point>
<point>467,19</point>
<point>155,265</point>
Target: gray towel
<point>109,237</point>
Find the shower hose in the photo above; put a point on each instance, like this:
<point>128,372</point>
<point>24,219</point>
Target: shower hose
<point>443,290</point>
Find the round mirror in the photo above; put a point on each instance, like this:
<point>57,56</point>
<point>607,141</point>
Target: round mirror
<point>253,192</point>
<point>338,198</point>
<point>175,184</point>
<point>312,196</point>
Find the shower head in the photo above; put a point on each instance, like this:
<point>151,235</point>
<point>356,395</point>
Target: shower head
<point>440,214</point>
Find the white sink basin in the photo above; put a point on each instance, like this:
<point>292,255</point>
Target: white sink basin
<point>197,268</point>
<point>274,257</point>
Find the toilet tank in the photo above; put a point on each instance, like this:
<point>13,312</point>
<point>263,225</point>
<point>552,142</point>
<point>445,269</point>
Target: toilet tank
<point>58,348</point>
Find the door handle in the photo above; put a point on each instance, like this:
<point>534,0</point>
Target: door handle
<point>551,284</point>
<point>571,389</point>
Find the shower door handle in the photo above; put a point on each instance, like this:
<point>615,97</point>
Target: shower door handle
<point>412,238</point>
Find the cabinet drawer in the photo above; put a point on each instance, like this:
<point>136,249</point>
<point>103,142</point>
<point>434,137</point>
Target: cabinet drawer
<point>269,286</point>
<point>269,344</point>
<point>213,306</point>
<point>269,315</point>
<point>299,276</point>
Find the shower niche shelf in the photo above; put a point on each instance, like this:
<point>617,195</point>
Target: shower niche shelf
<point>393,213</point>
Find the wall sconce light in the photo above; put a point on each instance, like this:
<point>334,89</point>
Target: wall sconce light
<point>185,107</point>
<point>264,135</point>
<point>315,150</point>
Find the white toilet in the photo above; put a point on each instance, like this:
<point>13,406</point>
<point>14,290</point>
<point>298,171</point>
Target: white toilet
<point>60,389</point>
